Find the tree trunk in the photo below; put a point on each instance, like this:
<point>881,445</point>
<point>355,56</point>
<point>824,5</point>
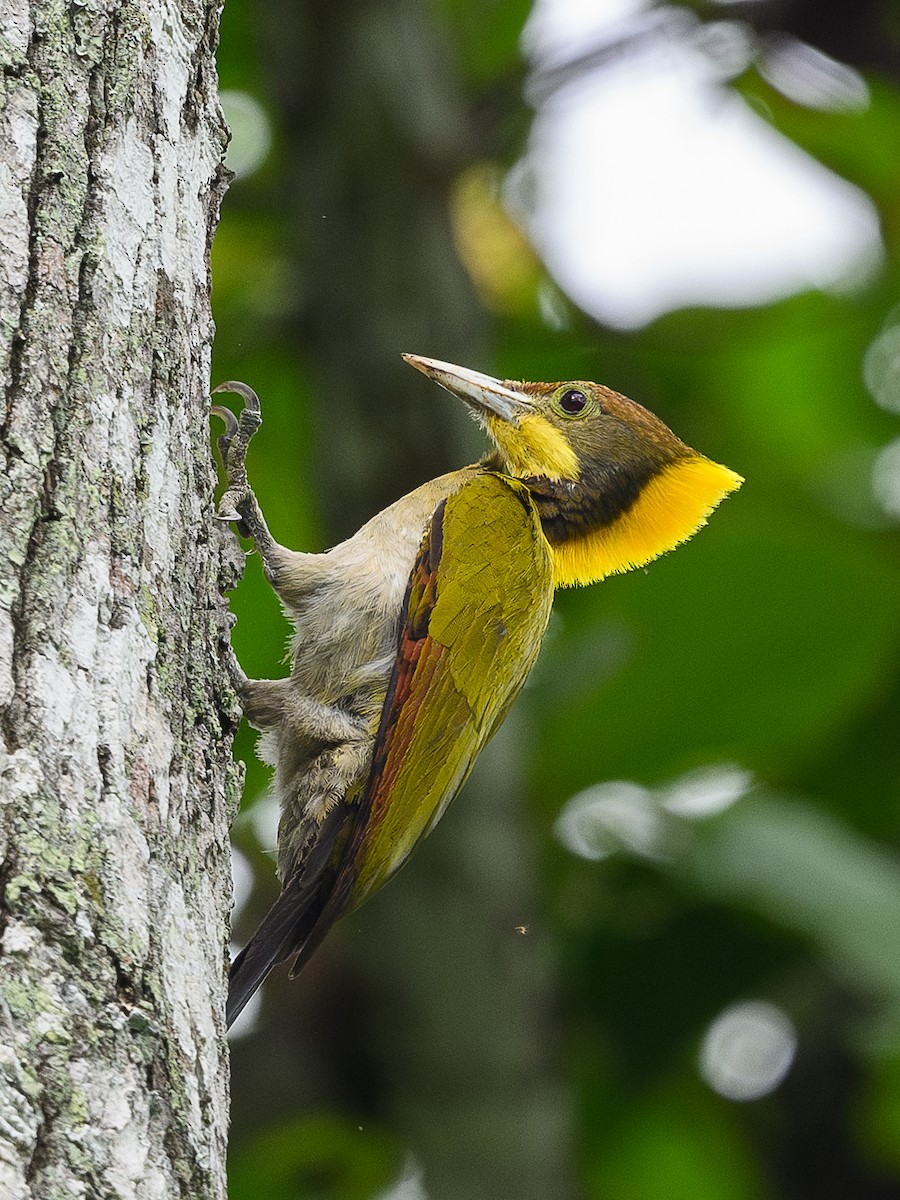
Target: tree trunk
<point>115,776</point>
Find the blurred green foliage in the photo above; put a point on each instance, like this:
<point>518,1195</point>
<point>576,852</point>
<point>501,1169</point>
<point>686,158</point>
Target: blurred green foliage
<point>511,1018</point>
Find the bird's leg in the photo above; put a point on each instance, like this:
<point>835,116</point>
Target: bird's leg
<point>239,503</point>
<point>272,703</point>
<point>316,721</point>
<point>263,700</point>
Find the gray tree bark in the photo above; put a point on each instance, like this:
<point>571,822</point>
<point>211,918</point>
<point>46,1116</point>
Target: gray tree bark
<point>115,773</point>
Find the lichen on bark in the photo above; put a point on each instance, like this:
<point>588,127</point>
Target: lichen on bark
<point>116,783</point>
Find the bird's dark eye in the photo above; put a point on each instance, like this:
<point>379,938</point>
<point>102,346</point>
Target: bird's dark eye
<point>572,401</point>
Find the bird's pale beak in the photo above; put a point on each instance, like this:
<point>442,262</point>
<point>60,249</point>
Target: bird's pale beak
<point>482,392</point>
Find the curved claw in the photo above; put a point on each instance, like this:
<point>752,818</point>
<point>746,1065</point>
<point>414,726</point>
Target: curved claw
<point>229,511</point>
<point>247,394</point>
<point>224,440</point>
<point>239,430</point>
<point>231,421</point>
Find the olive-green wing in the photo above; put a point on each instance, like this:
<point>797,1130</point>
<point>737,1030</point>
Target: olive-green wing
<point>475,614</point>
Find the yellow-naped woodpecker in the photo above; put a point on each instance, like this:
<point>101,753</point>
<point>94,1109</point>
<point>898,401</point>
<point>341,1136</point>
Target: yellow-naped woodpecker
<point>413,637</point>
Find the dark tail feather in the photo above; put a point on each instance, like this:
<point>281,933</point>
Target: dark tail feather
<point>283,932</point>
<point>308,906</point>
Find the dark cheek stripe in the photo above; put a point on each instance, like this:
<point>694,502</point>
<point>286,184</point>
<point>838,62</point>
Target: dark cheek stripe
<point>595,502</point>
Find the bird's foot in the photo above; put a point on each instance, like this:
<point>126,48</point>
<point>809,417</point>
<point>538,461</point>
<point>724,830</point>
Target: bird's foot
<point>239,431</point>
<point>236,673</point>
<point>234,506</point>
<point>238,500</point>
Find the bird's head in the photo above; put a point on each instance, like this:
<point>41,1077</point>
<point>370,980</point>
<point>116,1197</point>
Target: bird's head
<point>613,485</point>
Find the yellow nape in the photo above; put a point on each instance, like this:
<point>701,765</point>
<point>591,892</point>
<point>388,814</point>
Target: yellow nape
<point>534,447</point>
<point>671,507</point>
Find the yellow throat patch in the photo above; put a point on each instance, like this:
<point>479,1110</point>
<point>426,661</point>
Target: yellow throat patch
<point>534,447</point>
<point>670,508</point>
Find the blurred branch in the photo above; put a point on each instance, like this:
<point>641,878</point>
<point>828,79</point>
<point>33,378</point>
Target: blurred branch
<point>645,35</point>
<point>870,40</point>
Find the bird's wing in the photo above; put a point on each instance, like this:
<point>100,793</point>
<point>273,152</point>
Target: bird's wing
<point>475,613</point>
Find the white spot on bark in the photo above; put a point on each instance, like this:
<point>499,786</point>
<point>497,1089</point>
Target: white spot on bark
<point>126,169</point>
